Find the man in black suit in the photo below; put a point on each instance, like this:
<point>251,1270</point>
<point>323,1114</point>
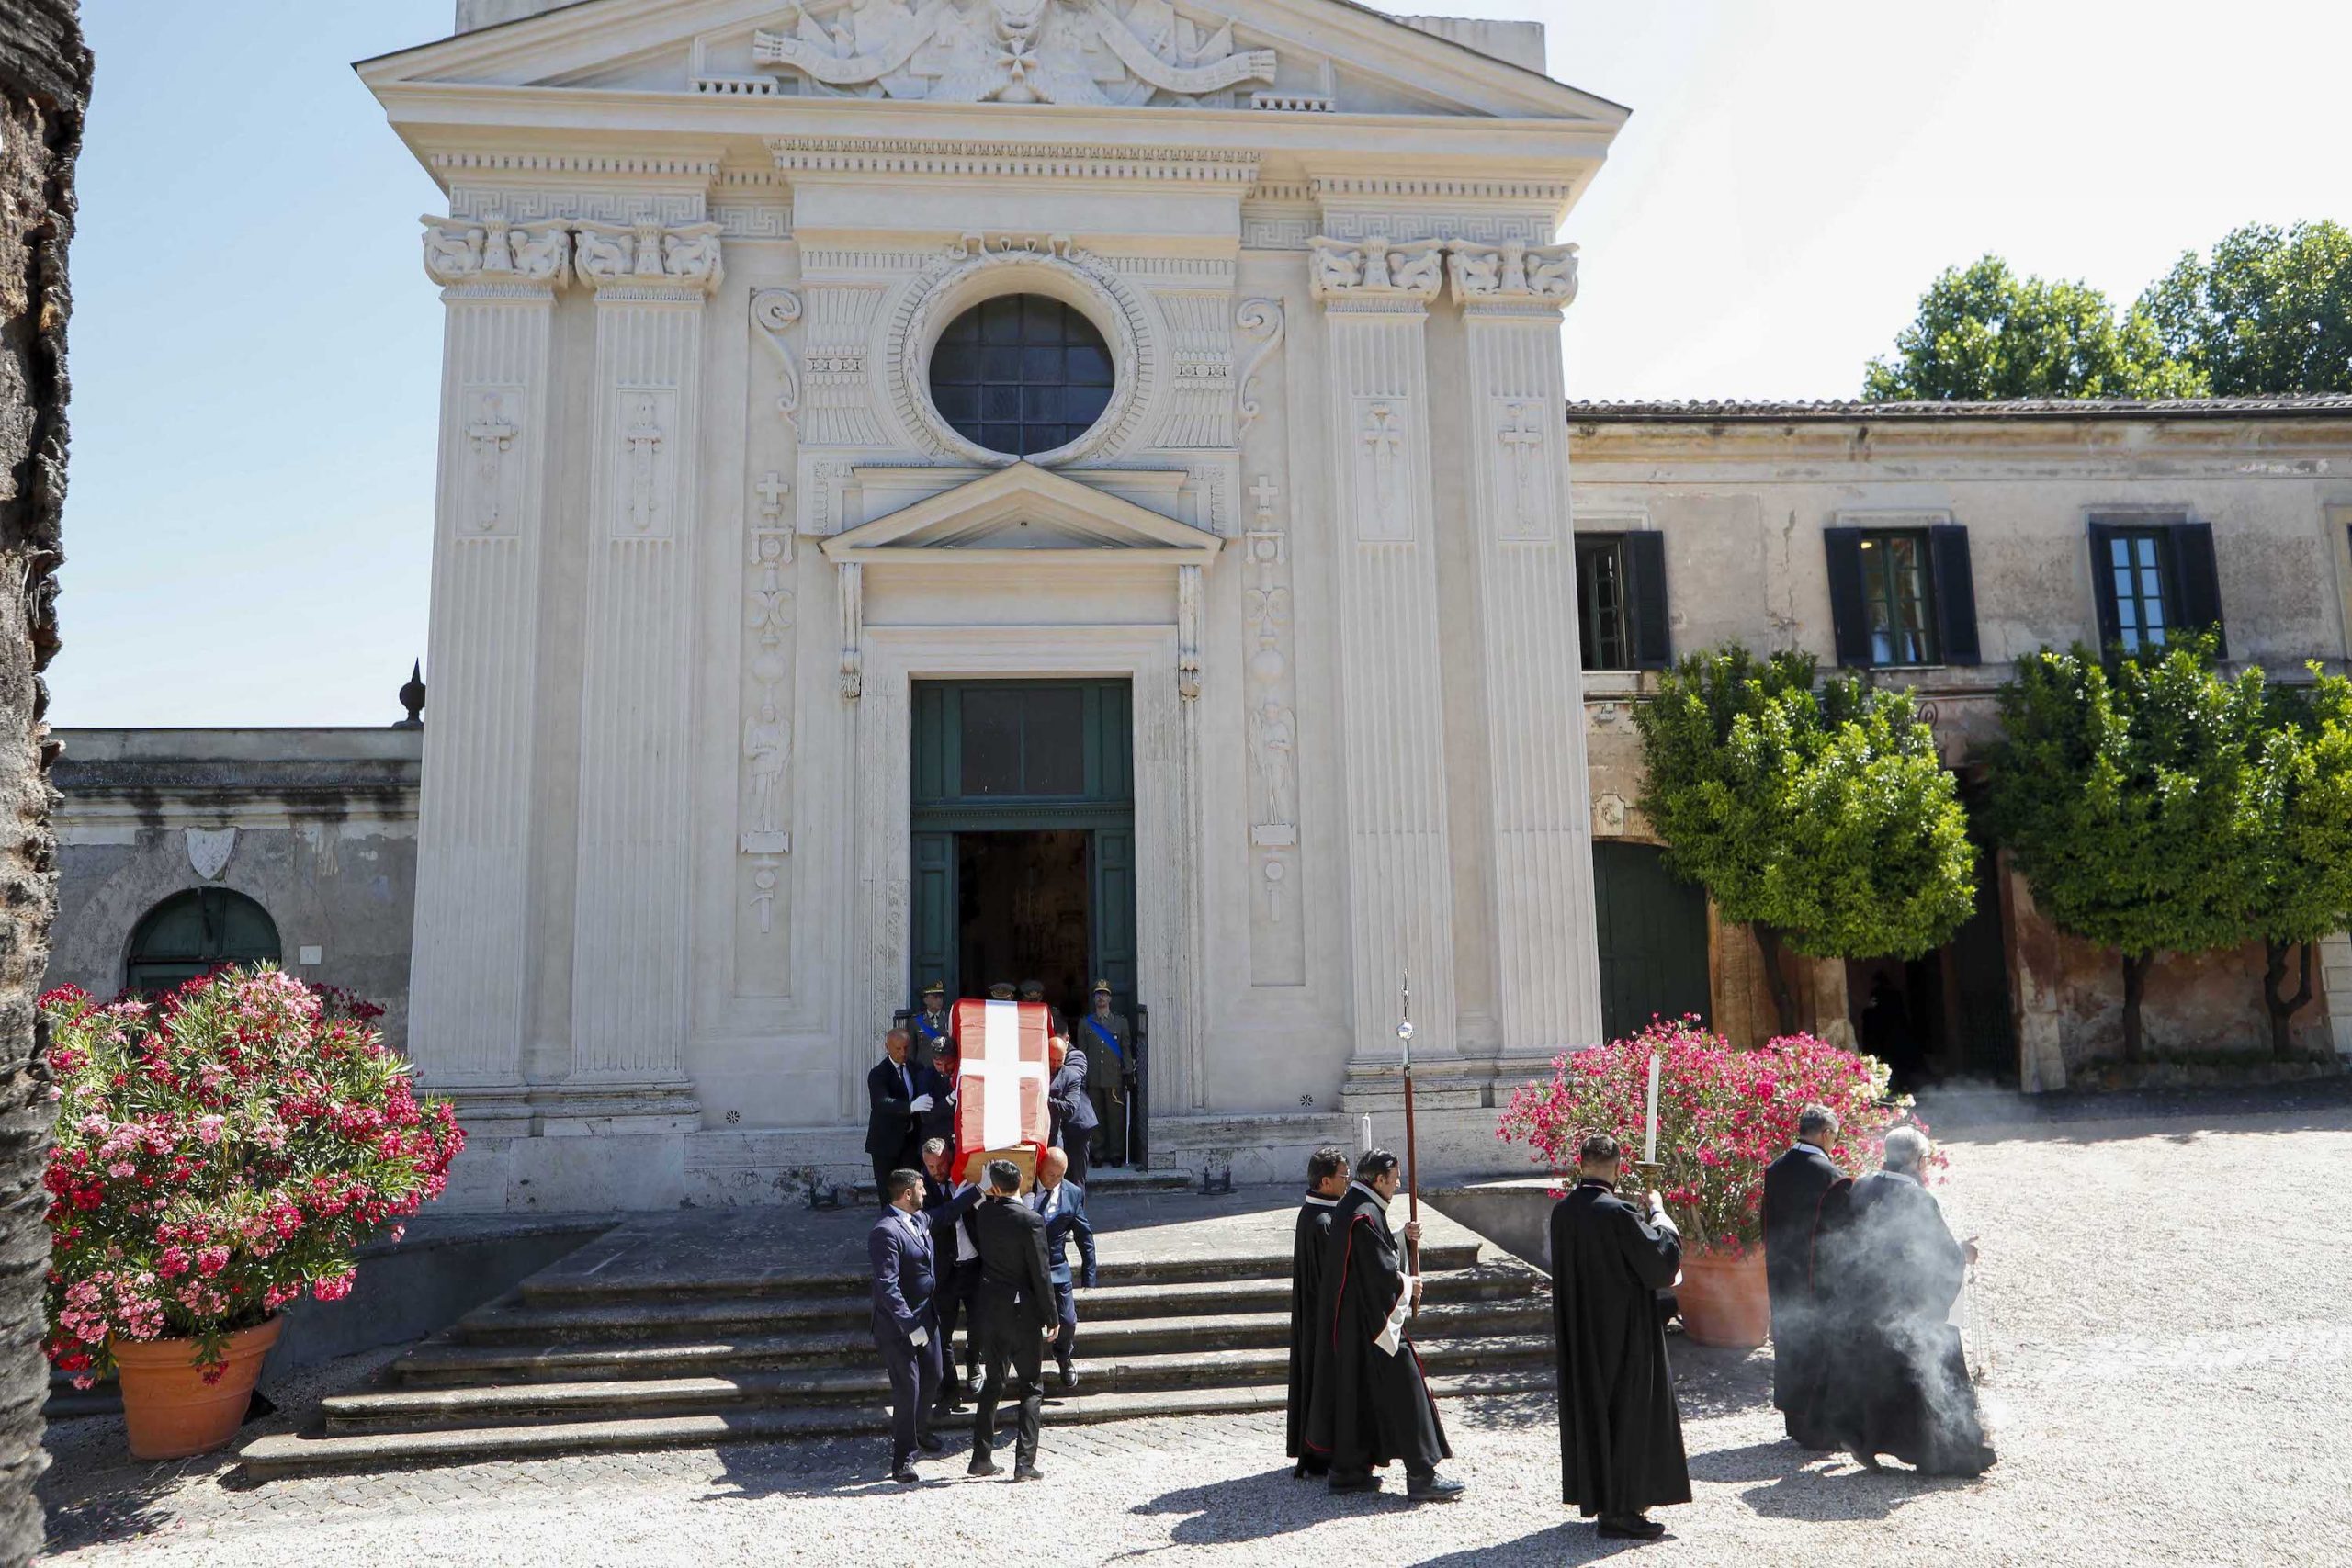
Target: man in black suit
<point>1013,1316</point>
<point>906,1327</point>
<point>1802,1345</point>
<point>1073,1112</point>
<point>1062,1205</point>
<point>897,1093</point>
<point>949,1209</point>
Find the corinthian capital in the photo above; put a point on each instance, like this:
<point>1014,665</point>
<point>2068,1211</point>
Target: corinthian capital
<point>1513,273</point>
<point>650,255</point>
<point>1376,269</point>
<point>491,250</point>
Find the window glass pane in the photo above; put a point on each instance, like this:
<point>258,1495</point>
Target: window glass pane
<point>991,740</point>
<point>1041,374</point>
<point>1604,635</point>
<point>1053,739</point>
<point>1897,598</point>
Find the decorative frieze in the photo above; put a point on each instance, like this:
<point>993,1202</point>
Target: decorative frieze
<point>1513,274</point>
<point>572,203</point>
<point>857,155</point>
<point>494,250</point>
<point>1277,941</point>
<point>658,262</point>
<point>1375,270</point>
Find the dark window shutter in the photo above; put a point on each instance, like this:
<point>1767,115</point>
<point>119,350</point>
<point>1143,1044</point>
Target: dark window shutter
<point>1645,598</point>
<point>2103,585</point>
<point>1850,622</point>
<point>2200,584</point>
<point>1955,594</point>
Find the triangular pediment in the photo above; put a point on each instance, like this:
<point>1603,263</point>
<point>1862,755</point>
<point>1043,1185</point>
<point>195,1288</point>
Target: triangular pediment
<point>1028,515</point>
<point>1284,56</point>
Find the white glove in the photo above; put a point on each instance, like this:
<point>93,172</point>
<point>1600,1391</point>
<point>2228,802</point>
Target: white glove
<point>951,1096</point>
<point>920,1103</point>
<point>918,1338</point>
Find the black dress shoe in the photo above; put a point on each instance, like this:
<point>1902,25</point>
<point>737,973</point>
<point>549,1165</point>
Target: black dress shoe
<point>1433,1488</point>
<point>980,1466</point>
<point>1634,1529</point>
<point>1069,1377</point>
<point>931,1442</point>
<point>904,1473</point>
<point>1027,1473</point>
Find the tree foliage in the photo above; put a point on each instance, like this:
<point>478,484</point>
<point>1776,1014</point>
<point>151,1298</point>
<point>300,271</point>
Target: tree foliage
<point>2301,888</point>
<point>2126,797</point>
<point>2270,313</point>
<point>1984,332</point>
<point>1826,821</point>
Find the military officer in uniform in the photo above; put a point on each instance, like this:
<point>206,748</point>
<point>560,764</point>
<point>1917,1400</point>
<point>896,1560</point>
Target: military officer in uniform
<point>931,1026</point>
<point>1109,1046</point>
<point>1001,991</point>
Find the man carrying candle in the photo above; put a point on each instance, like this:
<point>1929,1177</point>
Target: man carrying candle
<point>1621,1433</point>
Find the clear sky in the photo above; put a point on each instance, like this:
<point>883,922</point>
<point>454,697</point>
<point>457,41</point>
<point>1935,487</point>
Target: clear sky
<point>256,351</point>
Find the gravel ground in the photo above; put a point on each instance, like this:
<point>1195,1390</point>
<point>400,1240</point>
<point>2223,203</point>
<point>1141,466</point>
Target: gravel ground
<point>2163,1300</point>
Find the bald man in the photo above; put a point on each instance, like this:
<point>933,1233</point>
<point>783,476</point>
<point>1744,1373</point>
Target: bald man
<point>1061,1203</point>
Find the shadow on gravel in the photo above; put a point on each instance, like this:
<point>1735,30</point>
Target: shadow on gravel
<point>1852,1494</point>
<point>1573,1542</point>
<point>1271,1502</point>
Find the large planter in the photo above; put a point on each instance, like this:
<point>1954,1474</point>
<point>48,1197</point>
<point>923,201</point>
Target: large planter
<point>172,1411</point>
<point>1724,1300</point>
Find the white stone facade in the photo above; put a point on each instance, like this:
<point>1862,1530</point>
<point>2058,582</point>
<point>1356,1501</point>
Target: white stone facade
<point>701,528</point>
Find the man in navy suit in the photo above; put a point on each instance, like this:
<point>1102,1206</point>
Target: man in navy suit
<point>1073,1112</point>
<point>897,1093</point>
<point>1803,1341</point>
<point>1062,1205</point>
<point>906,1325</point>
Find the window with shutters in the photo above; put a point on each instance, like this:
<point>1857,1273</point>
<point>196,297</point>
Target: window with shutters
<point>2135,575</point>
<point>1898,596</point>
<point>1621,600</point>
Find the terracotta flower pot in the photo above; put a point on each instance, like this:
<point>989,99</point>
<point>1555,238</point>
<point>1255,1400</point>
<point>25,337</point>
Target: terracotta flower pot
<point>1724,1300</point>
<point>171,1410</point>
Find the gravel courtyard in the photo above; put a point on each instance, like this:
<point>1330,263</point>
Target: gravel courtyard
<point>2167,1303</point>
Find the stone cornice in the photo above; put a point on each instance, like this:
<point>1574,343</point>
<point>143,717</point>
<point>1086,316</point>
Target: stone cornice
<point>1356,188</point>
<point>648,261</point>
<point>852,155</point>
<point>600,165</point>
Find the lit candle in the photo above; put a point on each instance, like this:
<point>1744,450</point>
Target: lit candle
<point>1650,1137</point>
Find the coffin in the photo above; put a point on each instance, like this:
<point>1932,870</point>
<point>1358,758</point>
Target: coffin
<point>1000,1079</point>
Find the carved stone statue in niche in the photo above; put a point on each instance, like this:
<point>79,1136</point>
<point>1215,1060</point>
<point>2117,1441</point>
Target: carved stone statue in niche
<point>1273,741</point>
<point>768,745</point>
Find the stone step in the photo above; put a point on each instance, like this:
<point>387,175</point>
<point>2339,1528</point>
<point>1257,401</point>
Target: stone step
<point>510,1320</point>
<point>559,1288</point>
<point>443,1363</point>
<point>415,1409</point>
<point>1101,1182</point>
<point>297,1453</point>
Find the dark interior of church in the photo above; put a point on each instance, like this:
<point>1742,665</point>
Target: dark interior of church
<point>1023,912</point>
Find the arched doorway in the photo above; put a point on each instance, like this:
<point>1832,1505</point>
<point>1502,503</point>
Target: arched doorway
<point>195,932</point>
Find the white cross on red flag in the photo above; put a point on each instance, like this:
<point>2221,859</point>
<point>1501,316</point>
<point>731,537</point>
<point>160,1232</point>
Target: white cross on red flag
<point>1001,1080</point>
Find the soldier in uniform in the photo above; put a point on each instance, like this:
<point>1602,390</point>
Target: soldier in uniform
<point>1034,991</point>
<point>1001,991</point>
<point>1110,1069</point>
<point>931,1026</point>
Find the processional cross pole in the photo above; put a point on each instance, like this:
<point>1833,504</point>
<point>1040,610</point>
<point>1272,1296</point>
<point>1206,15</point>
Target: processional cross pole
<point>1412,1169</point>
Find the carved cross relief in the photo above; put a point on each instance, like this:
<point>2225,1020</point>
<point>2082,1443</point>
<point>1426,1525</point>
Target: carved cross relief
<point>1382,471</point>
<point>1519,477</point>
<point>642,442</point>
<point>492,435</point>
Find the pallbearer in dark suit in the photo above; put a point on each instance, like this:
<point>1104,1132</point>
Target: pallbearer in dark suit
<point>1372,1404</point>
<point>949,1207</point>
<point>1062,1205</point>
<point>1327,1178</point>
<point>1073,1114</point>
<point>1794,1187</point>
<point>1621,1434</point>
<point>905,1328</point>
<point>1110,1063</point>
<point>1014,1317</point>
<point>899,1091</point>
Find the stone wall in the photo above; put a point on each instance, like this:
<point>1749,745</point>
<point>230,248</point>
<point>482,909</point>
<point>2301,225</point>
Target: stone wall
<point>44,89</point>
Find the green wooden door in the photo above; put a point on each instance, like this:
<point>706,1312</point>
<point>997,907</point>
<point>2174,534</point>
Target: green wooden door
<point>1023,756</point>
<point>1653,939</point>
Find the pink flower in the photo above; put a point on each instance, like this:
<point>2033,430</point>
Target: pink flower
<point>208,1129</point>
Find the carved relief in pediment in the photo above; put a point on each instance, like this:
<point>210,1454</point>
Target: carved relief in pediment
<point>1011,51</point>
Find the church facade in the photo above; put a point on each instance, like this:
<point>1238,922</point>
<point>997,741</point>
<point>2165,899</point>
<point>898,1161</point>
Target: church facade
<point>937,492</point>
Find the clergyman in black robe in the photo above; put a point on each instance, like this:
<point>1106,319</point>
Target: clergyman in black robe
<point>1899,1383</point>
<point>1327,1178</point>
<point>1370,1403</point>
<point>1621,1432</point>
<point>1794,1185</point>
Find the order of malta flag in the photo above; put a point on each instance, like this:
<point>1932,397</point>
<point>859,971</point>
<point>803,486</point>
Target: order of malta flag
<point>999,1079</point>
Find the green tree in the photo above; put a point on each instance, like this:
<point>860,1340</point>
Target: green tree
<point>1983,332</point>
<point>2124,795</point>
<point>2271,311</point>
<point>2302,822</point>
<point>1826,822</point>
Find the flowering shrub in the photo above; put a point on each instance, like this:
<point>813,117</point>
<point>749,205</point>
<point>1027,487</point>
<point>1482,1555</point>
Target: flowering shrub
<point>1722,1116</point>
<point>220,1151</point>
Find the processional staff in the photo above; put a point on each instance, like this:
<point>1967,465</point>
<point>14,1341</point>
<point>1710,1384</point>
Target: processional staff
<point>1412,1172</point>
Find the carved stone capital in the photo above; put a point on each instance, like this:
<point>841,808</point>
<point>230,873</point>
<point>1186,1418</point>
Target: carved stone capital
<point>1513,274</point>
<point>685,259</point>
<point>1375,269</point>
<point>464,250</point>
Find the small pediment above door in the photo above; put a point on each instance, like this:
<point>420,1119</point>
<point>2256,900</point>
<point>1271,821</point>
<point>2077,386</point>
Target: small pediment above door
<point>1027,515</point>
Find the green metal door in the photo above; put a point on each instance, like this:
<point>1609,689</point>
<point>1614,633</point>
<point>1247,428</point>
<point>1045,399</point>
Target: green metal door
<point>1653,939</point>
<point>1023,756</point>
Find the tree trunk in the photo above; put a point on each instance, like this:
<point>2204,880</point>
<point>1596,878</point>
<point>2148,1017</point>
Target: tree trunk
<point>2283,1007</point>
<point>2135,981</point>
<point>1784,998</point>
<point>44,89</point>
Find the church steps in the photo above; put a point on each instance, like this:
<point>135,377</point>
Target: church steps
<point>294,1454</point>
<point>451,1364</point>
<point>411,1409</point>
<point>555,1289</point>
<point>510,1321</point>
